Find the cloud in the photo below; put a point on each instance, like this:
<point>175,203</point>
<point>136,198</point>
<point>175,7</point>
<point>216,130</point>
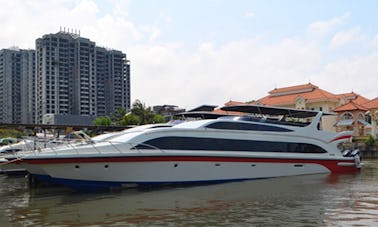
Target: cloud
<point>110,27</point>
<point>358,74</point>
<point>249,14</point>
<point>85,7</point>
<point>374,42</point>
<point>120,7</point>
<point>35,19</point>
<point>242,70</point>
<point>189,75</point>
<point>165,17</point>
<point>342,38</point>
<point>115,32</point>
<point>321,28</point>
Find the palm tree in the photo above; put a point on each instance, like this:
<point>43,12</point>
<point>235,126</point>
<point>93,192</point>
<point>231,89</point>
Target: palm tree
<point>141,115</point>
<point>144,113</point>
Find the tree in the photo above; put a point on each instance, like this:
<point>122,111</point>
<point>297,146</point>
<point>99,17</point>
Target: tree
<point>144,113</point>
<point>130,119</point>
<point>118,115</point>
<point>159,119</point>
<point>102,121</point>
<point>141,115</point>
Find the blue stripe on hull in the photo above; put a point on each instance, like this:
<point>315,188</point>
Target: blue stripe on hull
<point>84,185</point>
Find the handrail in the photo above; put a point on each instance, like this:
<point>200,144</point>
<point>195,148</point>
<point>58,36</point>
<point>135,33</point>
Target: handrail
<point>76,148</point>
<point>64,146</point>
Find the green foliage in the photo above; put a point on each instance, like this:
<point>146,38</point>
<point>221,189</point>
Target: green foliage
<point>140,115</point>
<point>370,141</point>
<point>11,133</point>
<point>102,121</point>
<point>130,119</point>
<point>118,115</point>
<point>144,113</point>
<point>159,119</point>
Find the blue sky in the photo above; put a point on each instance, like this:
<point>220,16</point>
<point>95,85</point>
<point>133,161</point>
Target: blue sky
<point>190,53</point>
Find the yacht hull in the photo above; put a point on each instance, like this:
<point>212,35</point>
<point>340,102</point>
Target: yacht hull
<point>99,172</point>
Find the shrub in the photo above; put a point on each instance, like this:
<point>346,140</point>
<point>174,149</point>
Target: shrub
<point>370,141</point>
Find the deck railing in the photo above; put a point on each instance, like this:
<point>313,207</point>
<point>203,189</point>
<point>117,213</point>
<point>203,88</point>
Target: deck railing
<point>35,149</point>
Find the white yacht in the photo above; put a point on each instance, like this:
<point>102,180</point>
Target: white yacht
<point>231,148</point>
<point>13,149</point>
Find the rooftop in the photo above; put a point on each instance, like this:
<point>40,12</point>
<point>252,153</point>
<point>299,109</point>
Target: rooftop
<point>288,95</point>
<point>350,106</point>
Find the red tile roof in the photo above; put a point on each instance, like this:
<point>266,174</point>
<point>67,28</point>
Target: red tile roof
<point>311,93</point>
<point>373,104</point>
<point>230,103</point>
<point>219,111</point>
<point>233,103</point>
<point>288,95</point>
<point>296,88</point>
<point>350,106</point>
<point>360,100</point>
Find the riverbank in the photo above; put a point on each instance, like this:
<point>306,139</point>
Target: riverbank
<point>370,152</point>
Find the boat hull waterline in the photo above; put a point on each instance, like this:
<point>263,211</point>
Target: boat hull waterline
<point>100,172</point>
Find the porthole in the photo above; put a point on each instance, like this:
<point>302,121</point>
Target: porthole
<point>175,165</point>
<point>298,165</point>
<point>77,167</point>
<point>106,166</point>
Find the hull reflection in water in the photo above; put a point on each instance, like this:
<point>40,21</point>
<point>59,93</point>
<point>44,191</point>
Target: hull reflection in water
<point>312,200</point>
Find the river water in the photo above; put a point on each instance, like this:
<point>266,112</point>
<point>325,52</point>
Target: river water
<point>312,200</point>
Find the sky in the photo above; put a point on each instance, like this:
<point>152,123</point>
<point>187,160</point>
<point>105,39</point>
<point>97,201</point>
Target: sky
<point>190,53</point>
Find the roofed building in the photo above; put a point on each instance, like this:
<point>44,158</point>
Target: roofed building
<point>351,108</point>
<point>351,117</point>
<point>304,97</point>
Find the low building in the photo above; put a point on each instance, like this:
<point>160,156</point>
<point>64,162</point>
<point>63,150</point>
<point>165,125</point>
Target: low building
<point>168,111</point>
<point>361,118</point>
<point>372,106</point>
<point>351,117</point>
<point>67,119</point>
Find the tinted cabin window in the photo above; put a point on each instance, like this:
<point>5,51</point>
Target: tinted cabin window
<point>213,144</point>
<point>246,126</point>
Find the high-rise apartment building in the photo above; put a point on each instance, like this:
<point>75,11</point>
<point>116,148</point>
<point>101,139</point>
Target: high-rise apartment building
<point>76,77</point>
<point>17,70</point>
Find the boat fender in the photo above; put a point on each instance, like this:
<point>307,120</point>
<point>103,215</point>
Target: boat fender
<point>357,161</point>
<point>347,153</point>
<point>356,152</point>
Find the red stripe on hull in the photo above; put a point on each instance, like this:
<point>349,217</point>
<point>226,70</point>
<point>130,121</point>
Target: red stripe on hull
<point>332,165</point>
<point>341,138</point>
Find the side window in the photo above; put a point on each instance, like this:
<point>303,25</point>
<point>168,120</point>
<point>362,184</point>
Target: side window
<point>213,144</point>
